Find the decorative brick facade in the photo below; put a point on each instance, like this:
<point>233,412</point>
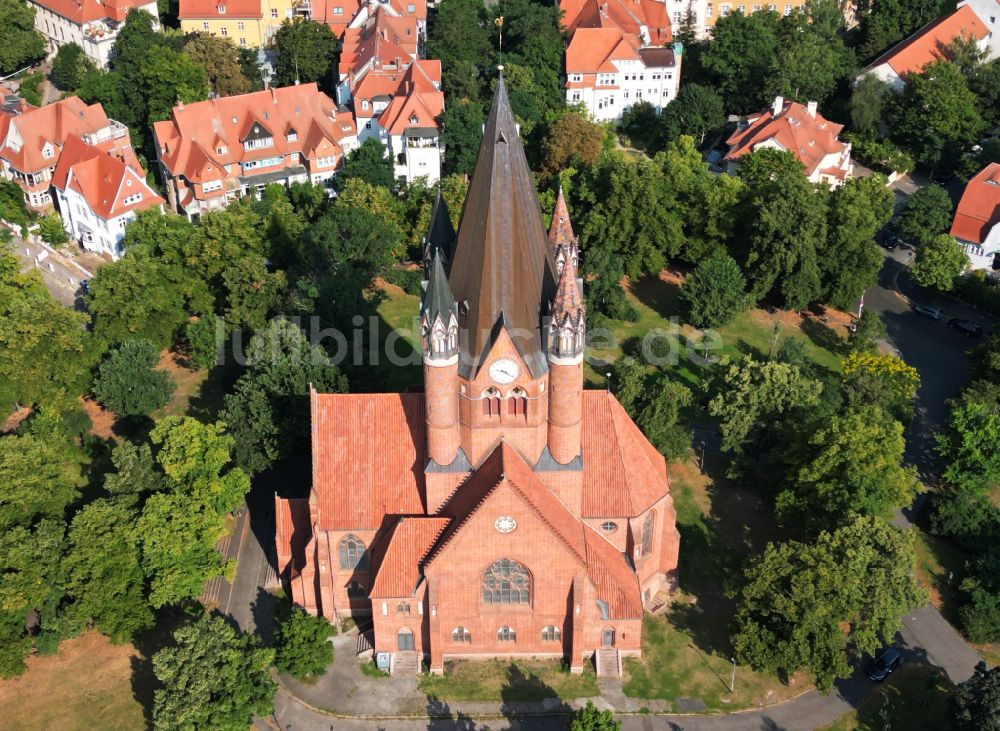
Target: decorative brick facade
<point>505,511</point>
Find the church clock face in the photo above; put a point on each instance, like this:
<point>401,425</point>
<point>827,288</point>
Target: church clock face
<point>504,370</point>
<point>505,524</point>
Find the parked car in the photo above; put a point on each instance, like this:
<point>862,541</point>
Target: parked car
<point>884,664</point>
<point>966,327</point>
<point>931,311</point>
<point>888,238</point>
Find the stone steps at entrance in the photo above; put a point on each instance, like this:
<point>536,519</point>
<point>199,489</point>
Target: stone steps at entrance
<point>406,663</point>
<point>607,663</point>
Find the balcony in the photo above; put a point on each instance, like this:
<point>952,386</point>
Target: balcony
<point>114,131</point>
<point>421,141</point>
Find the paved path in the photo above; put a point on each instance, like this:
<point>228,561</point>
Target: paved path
<point>60,273</point>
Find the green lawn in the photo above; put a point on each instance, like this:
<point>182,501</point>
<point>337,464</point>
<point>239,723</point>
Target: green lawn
<point>500,680</point>
<point>914,697</point>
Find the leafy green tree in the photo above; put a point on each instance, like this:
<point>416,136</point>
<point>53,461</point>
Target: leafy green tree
<point>985,359</point>
<point>20,44</point>
<point>69,66</point>
<point>301,642</point>
<point>967,445</point>
<point>887,22</point>
<point>135,40</point>
<point>460,37</point>
<point>882,379</point>
<point>751,391</point>
<point>104,578</point>
<point>975,706</point>
<point>135,470</point>
<point>36,481</point>
<point>659,417</point>
<point>926,215</point>
<point>589,718</point>
<point>348,236</point>
<point>213,676</point>
<point>742,52</point>
<point>695,111</point>
<point>868,332</point>
<point>849,466</point>
<point>221,60</point>
<point>641,125</point>
<point>200,338</point>
<point>532,39</point>
<point>462,124</point>
<point>867,102</point>
<point>249,67</point>
<point>169,77</point>
<point>305,52</point>
<point>629,384</point>
<point>715,293</point>
<point>12,205</point>
<point>252,292</point>
<point>937,118</point>
<point>939,263</point>
<point>128,383</point>
<point>369,163</point>
<point>812,60</point>
<point>571,139</point>
<point>985,84</point>
<point>50,228</point>
<point>105,88</point>
<point>799,598</point>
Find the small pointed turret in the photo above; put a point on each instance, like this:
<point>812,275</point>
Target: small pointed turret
<point>440,236</point>
<point>564,242</point>
<point>567,337</point>
<point>567,328</point>
<point>438,314</point>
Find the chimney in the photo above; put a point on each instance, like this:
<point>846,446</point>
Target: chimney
<point>811,108</point>
<point>274,97</point>
<point>779,104</point>
<point>180,104</point>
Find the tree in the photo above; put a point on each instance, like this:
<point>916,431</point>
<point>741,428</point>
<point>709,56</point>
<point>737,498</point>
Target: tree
<point>813,605</point>
<point>37,481</point>
<point>869,330</point>
<point>460,38</point>
<point>975,706</point>
<point>742,52</point>
<point>849,466</point>
<point>867,101</point>
<point>105,88</point>
<point>348,236</point>
<point>301,642</point>
<point>135,470</point>
<point>20,44</point>
<point>641,125</point>
<point>939,263</point>
<point>50,228</point>
<point>660,414</point>
<point>127,382</point>
<point>169,77</point>
<point>214,677</point>
<point>696,111</point>
<point>12,205</point>
<point>882,379</point>
<point>937,117</point>
<point>968,444</point>
<point>305,52</point>
<point>533,40</point>
<point>889,21</point>
<point>136,39</point>
<point>812,59</point>
<point>926,215</point>
<point>369,163</point>
<point>221,61</point>
<point>589,718</point>
<point>69,67</point>
<point>750,391</point>
<point>571,139</point>
<point>462,130</point>
<point>104,578</point>
<point>715,293</point>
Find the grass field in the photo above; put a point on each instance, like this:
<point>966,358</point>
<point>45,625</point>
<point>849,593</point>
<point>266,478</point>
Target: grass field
<point>498,680</point>
<point>913,698</point>
<point>86,685</point>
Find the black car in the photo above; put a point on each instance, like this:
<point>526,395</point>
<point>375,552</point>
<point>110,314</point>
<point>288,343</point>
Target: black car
<point>883,665</point>
<point>967,327</point>
<point>889,239</point>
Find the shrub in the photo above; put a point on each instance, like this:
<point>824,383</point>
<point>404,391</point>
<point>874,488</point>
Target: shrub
<point>127,383</point>
<point>301,646</point>
<point>50,228</point>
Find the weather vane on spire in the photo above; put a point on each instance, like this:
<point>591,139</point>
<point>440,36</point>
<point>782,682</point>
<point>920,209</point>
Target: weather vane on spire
<point>499,25</point>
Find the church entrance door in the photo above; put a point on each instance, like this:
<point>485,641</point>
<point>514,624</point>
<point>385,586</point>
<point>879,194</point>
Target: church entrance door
<point>608,637</point>
<point>404,641</point>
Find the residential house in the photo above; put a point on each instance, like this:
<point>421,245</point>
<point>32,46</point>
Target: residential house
<point>801,130</point>
<point>340,15</point>
<point>33,138</point>
<point>98,194</point>
<point>383,43</point>
<point>645,19</point>
<point>607,71</point>
<point>250,23</point>
<point>215,151</point>
<point>929,44</point>
<point>91,24</point>
<point>977,219</point>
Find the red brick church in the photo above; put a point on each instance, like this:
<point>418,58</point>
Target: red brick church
<point>504,511</point>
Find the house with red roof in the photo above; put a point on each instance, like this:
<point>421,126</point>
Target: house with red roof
<point>91,24</point>
<point>32,139</point>
<point>98,194</point>
<point>647,20</point>
<point>215,151</point>
<point>504,511</point>
<point>801,130</point>
<point>609,70</point>
<point>970,22</point>
<point>975,225</point>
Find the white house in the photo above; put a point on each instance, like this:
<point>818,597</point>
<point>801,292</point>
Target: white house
<point>977,219</point>
<point>91,24</point>
<point>607,72</point>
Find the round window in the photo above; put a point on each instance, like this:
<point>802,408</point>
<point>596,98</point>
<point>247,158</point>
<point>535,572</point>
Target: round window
<point>609,527</point>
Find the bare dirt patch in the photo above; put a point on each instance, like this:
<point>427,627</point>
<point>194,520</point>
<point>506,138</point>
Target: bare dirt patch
<point>103,420</point>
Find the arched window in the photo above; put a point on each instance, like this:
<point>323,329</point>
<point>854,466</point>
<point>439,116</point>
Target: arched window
<point>506,634</point>
<point>647,533</point>
<point>506,582</point>
<point>352,553</point>
<point>461,634</point>
<point>453,338</point>
<point>356,590</point>
<point>551,634</point>
<point>402,608</point>
<point>491,402</point>
<point>517,403</point>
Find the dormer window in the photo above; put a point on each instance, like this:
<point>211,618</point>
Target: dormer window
<point>221,9</point>
<point>364,103</point>
<point>221,150</point>
<point>413,119</point>
<point>292,136</point>
<point>47,151</point>
<point>338,11</point>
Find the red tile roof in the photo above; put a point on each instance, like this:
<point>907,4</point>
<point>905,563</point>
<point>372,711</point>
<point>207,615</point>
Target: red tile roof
<point>613,578</point>
<point>979,210</point>
<point>326,12</point>
<point>626,15</point>
<point>592,50</point>
<point>368,454</point>
<point>398,565</point>
<point>197,9</point>
<point>293,530</point>
<point>623,473</point>
<point>87,11</point>
<point>809,138</point>
<point>931,42</point>
<point>382,40</point>
<point>105,181</point>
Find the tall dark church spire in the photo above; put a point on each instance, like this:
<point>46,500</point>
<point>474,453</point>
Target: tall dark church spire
<point>503,273</point>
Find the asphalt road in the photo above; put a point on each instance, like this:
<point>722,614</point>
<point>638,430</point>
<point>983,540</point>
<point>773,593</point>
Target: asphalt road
<point>61,275</point>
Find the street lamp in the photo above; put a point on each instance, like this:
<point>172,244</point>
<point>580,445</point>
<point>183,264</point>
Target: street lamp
<point>732,683</point>
<point>608,374</point>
